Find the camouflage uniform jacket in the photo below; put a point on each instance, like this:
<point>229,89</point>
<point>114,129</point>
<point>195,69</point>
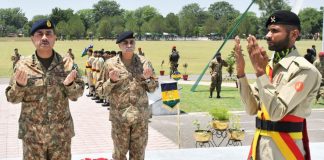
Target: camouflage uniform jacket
<point>216,67</point>
<point>320,66</point>
<point>45,112</point>
<point>130,90</point>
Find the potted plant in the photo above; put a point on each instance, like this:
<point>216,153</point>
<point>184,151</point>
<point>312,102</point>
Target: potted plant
<point>220,118</point>
<point>235,131</point>
<point>185,75</point>
<point>201,135</point>
<point>162,70</point>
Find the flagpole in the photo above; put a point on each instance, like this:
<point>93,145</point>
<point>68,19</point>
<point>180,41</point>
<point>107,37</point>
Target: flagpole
<point>193,88</point>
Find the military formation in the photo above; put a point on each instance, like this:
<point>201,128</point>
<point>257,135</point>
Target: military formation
<point>45,81</point>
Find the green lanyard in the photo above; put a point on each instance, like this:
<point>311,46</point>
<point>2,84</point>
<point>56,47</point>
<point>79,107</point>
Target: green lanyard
<point>281,54</point>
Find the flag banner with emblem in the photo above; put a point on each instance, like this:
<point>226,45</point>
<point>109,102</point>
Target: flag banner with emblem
<point>170,94</point>
<point>86,50</point>
<point>176,75</point>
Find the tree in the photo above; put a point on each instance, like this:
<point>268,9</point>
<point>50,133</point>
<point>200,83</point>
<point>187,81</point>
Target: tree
<point>62,29</point>
<point>105,28</point>
<point>172,23</point>
<point>142,15</point>
<point>267,7</point>
<point>223,9</point>
<point>130,24</point>
<point>224,14</point>
<point>210,25</point>
<point>76,27</point>
<point>190,19</point>
<point>249,25</point>
<point>157,24</point>
<point>106,8</point>
<point>311,20</point>
<point>87,16</point>
<point>270,6</point>
<point>12,20</point>
<point>59,14</point>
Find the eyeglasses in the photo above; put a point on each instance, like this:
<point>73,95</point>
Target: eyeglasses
<point>126,42</point>
<point>48,33</point>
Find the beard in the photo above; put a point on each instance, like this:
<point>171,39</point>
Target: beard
<point>279,45</point>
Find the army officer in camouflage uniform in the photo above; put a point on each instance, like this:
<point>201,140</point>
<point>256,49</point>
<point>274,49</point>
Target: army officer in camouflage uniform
<point>128,78</point>
<point>44,87</point>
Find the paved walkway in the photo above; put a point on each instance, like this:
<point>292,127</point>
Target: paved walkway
<point>91,123</point>
<point>93,137</point>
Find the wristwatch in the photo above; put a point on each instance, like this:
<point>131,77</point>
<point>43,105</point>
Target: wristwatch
<point>148,80</point>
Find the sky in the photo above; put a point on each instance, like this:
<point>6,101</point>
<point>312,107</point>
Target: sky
<point>38,7</point>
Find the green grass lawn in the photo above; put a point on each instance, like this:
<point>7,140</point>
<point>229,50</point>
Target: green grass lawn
<point>199,102</point>
<point>195,53</point>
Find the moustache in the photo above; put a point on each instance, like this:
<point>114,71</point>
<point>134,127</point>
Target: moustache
<point>45,42</point>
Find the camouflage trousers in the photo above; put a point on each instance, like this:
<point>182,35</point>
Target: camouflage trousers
<point>216,82</point>
<point>58,150</point>
<point>173,67</point>
<point>131,138</point>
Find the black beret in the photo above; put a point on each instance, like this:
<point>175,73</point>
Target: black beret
<point>124,35</point>
<point>41,24</point>
<point>284,17</point>
<point>218,54</point>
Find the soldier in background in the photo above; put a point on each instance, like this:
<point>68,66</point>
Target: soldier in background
<point>319,64</point>
<point>89,71</point>
<point>94,74</point>
<point>216,66</point>
<point>128,78</point>
<point>99,66</point>
<point>15,58</point>
<point>173,60</point>
<point>43,86</point>
<point>140,52</point>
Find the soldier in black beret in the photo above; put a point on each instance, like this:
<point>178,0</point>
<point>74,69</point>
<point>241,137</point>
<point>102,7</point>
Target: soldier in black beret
<point>282,94</point>
<point>44,83</point>
<point>128,77</point>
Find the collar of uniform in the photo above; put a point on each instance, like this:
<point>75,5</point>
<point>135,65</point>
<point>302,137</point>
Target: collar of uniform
<point>54,63</point>
<point>135,58</point>
<point>286,61</point>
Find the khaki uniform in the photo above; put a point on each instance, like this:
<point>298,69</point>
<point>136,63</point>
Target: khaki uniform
<point>294,85</point>
<point>320,66</point>
<point>90,74</point>
<point>94,72</point>
<point>216,74</point>
<point>45,122</point>
<point>129,108</point>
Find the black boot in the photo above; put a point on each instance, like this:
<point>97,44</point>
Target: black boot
<point>89,95</point>
<point>210,94</point>
<point>100,101</point>
<point>95,98</point>
<point>218,95</point>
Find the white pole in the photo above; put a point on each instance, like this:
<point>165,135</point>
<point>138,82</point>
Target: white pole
<point>179,125</point>
<point>323,32</point>
<point>297,6</point>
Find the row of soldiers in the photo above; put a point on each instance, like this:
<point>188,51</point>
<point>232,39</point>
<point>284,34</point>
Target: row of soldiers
<point>94,66</point>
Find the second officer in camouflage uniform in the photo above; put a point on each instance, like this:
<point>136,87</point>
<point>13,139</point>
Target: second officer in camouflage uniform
<point>216,66</point>
<point>128,77</point>
<point>44,87</point>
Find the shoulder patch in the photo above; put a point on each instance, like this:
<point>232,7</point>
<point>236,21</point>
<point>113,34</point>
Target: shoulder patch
<point>299,86</point>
